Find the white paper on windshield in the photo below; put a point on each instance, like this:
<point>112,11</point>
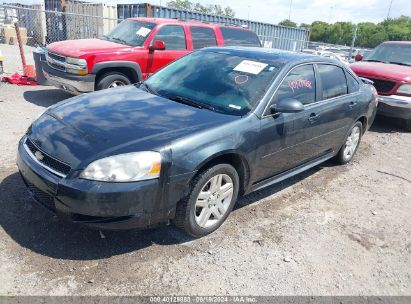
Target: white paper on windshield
<point>251,67</point>
<point>143,31</point>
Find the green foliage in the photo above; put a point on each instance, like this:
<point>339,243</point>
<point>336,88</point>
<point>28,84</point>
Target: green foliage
<point>288,22</point>
<point>369,34</point>
<point>198,7</point>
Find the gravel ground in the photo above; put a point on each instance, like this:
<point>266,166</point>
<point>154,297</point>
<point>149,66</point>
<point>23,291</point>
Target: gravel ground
<point>334,230</point>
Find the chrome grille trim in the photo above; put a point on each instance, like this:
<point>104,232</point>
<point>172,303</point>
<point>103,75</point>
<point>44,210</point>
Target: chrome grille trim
<point>40,163</point>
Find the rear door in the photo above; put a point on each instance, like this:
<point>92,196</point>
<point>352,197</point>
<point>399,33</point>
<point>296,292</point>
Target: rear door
<point>334,109</point>
<point>239,37</point>
<point>202,37</point>
<point>175,38</point>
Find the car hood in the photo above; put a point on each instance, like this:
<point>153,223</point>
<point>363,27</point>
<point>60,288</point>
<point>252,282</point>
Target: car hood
<point>116,121</point>
<point>82,47</point>
<point>382,70</point>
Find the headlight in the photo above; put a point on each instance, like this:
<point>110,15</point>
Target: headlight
<point>404,89</point>
<point>76,61</point>
<point>76,66</point>
<point>129,167</point>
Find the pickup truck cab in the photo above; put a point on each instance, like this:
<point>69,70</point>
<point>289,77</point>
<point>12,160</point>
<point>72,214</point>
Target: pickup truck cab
<point>389,67</point>
<point>132,51</point>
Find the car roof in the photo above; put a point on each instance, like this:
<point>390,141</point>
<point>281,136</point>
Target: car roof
<point>397,42</point>
<point>259,53</point>
<point>193,22</point>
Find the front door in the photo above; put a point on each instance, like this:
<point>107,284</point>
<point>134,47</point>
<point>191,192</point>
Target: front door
<point>285,137</point>
<point>174,37</point>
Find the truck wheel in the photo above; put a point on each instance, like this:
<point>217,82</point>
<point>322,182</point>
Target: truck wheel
<point>112,80</point>
<point>351,143</point>
<point>210,201</point>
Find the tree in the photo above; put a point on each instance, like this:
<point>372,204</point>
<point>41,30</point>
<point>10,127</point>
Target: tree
<point>288,22</point>
<point>198,7</point>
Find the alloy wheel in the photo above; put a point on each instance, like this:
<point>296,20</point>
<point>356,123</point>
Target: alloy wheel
<point>214,200</point>
<point>116,83</point>
<point>351,143</point>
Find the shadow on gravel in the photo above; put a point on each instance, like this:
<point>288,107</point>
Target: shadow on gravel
<point>387,125</point>
<point>37,229</point>
<point>46,98</point>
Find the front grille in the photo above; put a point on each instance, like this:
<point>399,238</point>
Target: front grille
<point>42,197</point>
<point>56,61</point>
<point>56,57</point>
<point>382,86</point>
<point>48,161</point>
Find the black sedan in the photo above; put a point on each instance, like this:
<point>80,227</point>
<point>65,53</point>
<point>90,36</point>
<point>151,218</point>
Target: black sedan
<point>184,144</point>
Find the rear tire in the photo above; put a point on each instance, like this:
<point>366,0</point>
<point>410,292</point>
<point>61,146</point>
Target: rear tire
<point>112,80</point>
<point>351,144</point>
<point>210,201</point>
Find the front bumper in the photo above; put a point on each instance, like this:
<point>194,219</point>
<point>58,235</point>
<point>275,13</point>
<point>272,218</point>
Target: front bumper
<point>395,106</point>
<point>96,204</point>
<point>72,83</point>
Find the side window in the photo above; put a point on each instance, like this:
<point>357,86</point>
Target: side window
<point>202,37</point>
<point>333,81</point>
<point>353,85</point>
<point>239,37</point>
<point>299,84</point>
<point>173,36</point>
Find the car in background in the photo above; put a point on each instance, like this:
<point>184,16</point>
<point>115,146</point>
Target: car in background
<point>389,67</point>
<point>132,51</point>
<point>336,56</point>
<point>182,146</point>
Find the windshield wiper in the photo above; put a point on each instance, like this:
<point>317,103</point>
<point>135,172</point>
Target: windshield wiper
<point>146,87</point>
<point>399,63</point>
<point>118,40</point>
<point>374,60</point>
<point>190,102</point>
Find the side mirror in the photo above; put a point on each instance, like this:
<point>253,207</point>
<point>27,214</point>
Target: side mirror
<point>358,57</point>
<point>158,45</point>
<point>288,105</point>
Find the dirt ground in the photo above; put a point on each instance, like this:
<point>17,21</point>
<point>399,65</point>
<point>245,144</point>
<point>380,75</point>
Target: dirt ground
<point>334,230</point>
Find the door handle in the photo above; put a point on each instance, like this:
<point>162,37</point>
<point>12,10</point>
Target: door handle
<point>352,104</point>
<point>313,117</point>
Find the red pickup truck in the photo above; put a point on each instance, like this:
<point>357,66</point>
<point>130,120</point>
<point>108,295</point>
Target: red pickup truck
<point>389,67</point>
<point>132,51</point>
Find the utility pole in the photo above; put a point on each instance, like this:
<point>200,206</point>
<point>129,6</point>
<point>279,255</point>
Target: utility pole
<point>389,10</point>
<point>354,37</point>
<point>289,11</point>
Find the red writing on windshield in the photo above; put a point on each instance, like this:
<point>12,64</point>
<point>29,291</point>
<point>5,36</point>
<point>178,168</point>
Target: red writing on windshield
<point>299,83</point>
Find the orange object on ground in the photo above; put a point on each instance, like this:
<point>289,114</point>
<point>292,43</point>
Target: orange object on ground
<point>16,78</point>
<point>29,71</point>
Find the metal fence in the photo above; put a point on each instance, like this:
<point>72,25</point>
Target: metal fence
<point>40,27</point>
<point>41,24</point>
<point>271,35</point>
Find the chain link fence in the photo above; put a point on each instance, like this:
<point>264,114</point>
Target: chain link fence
<point>39,27</point>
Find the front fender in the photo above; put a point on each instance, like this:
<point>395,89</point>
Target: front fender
<point>118,64</point>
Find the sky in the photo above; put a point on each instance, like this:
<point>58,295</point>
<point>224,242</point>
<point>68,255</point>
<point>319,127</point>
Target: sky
<point>302,11</point>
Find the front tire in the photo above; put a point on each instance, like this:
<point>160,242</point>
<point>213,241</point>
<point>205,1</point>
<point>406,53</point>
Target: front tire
<point>210,201</point>
<point>112,80</point>
<point>351,144</point>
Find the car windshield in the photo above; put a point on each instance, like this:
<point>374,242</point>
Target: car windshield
<point>130,32</point>
<point>216,81</point>
<point>391,53</point>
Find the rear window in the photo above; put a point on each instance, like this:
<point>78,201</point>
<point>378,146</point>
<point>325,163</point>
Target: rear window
<point>202,37</point>
<point>239,37</point>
